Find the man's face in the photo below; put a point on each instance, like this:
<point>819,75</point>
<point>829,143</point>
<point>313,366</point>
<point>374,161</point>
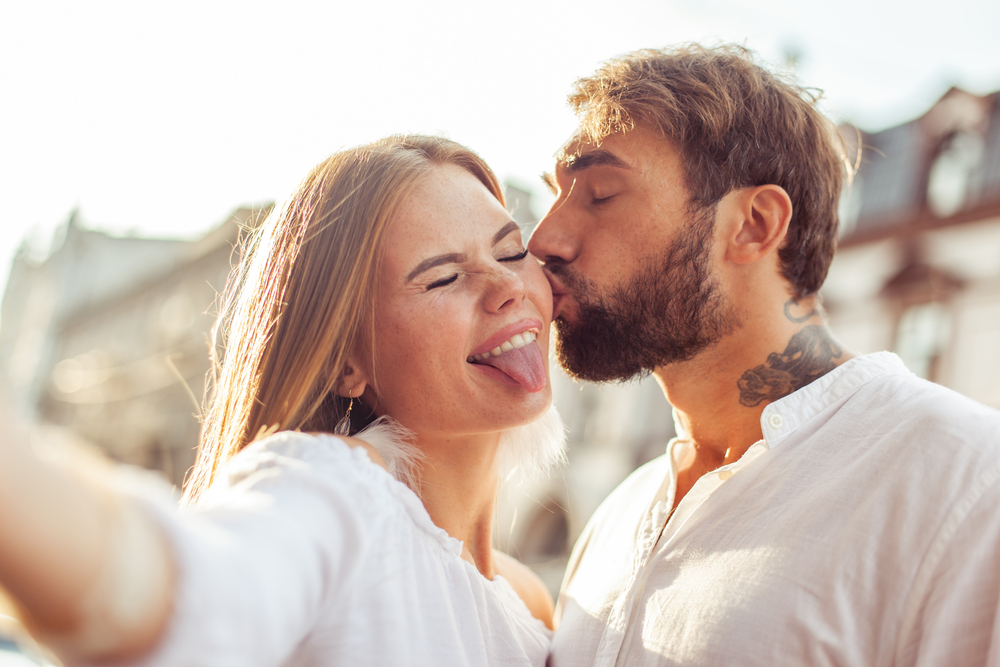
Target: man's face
<point>629,259</point>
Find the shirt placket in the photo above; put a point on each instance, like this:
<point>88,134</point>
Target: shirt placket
<point>647,535</point>
<point>660,528</point>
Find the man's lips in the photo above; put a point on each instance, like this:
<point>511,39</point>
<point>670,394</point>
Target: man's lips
<point>558,293</point>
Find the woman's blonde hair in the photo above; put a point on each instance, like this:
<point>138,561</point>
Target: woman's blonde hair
<point>303,297</point>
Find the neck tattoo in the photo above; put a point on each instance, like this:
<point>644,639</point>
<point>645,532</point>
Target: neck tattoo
<point>810,354</point>
<point>798,319</point>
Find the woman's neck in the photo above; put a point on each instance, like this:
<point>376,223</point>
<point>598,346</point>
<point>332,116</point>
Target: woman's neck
<point>458,486</point>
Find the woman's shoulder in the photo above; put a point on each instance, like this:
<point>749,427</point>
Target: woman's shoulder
<point>288,447</point>
<point>356,443</point>
<point>293,458</point>
<point>528,586</point>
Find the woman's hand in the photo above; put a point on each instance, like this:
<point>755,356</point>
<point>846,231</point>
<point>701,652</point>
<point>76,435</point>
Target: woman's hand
<point>90,572</point>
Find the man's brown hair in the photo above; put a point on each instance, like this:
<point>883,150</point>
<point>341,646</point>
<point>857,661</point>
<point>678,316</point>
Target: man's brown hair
<point>736,125</point>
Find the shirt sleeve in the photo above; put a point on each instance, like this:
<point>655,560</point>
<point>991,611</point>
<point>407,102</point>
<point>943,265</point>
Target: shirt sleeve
<point>280,536</point>
<point>955,608</point>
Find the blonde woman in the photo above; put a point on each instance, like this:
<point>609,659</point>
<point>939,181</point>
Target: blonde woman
<point>393,288</point>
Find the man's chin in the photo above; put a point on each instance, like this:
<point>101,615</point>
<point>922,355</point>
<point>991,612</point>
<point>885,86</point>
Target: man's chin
<point>591,362</point>
<point>586,370</point>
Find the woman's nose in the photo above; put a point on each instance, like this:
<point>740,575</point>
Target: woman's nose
<point>505,288</point>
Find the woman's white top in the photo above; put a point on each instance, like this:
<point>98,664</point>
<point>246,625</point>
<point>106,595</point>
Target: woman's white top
<point>305,552</point>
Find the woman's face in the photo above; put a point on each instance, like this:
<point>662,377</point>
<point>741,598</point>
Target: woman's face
<point>458,285</point>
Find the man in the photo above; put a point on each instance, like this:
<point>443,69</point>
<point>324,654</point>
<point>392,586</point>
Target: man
<point>817,507</point>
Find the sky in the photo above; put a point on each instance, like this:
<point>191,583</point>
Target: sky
<point>158,119</point>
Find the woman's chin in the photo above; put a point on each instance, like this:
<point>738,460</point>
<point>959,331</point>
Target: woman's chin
<point>525,409</point>
<point>535,406</point>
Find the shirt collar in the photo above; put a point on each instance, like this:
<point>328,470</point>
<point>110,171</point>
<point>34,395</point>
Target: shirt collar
<point>785,415</point>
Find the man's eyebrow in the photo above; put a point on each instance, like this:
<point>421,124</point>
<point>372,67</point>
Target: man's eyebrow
<point>430,263</point>
<point>504,231</point>
<point>595,158</point>
<point>550,182</point>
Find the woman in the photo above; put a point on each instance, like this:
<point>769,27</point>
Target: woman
<point>394,284</point>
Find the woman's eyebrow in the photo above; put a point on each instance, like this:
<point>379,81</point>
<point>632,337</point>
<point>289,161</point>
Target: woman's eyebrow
<point>457,258</point>
<point>504,231</point>
<point>430,263</point>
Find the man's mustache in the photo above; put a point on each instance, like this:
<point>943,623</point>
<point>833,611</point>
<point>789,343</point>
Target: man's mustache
<point>569,279</point>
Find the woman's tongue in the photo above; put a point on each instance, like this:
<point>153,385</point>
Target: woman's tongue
<point>525,365</point>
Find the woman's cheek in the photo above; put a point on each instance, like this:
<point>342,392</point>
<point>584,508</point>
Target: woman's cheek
<point>541,293</point>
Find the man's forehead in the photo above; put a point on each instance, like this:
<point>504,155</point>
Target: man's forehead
<point>625,149</point>
<point>572,148</point>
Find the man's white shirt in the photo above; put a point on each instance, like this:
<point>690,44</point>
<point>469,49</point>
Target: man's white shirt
<point>863,529</point>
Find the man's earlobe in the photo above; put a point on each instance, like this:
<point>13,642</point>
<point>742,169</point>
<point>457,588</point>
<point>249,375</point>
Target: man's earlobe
<point>765,212</point>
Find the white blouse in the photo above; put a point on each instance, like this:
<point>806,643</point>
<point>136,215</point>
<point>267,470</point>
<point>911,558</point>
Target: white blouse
<point>304,552</point>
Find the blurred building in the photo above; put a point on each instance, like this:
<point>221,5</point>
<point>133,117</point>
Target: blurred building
<point>918,269</point>
<point>109,337</point>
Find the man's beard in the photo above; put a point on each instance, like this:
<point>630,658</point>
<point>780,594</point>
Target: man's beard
<point>669,310</point>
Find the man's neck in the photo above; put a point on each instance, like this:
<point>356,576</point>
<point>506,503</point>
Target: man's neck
<point>720,394</point>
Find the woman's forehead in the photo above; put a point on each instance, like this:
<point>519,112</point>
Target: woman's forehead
<point>447,209</point>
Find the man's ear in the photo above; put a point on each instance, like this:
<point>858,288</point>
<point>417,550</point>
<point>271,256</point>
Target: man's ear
<point>352,381</point>
<point>763,215</point>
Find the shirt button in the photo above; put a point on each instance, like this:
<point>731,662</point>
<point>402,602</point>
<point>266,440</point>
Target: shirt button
<point>775,420</point>
<point>725,474</point>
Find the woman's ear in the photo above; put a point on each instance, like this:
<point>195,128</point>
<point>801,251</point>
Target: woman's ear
<point>352,382</point>
<point>763,216</point>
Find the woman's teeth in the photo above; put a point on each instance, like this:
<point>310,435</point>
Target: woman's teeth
<point>516,341</point>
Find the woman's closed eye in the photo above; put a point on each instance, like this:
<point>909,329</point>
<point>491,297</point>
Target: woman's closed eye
<point>514,258</point>
<point>452,278</point>
<point>443,281</point>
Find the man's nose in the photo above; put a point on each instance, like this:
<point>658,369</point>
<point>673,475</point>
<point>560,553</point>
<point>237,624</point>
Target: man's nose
<point>556,237</point>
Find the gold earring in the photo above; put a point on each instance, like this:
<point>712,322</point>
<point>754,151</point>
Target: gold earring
<point>343,427</point>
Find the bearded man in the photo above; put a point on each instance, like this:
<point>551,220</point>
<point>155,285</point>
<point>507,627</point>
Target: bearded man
<point>817,506</point>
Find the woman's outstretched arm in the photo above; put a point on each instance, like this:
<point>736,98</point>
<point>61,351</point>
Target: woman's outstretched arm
<point>90,571</point>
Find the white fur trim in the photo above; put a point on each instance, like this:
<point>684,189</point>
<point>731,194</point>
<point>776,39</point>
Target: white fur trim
<point>525,452</point>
